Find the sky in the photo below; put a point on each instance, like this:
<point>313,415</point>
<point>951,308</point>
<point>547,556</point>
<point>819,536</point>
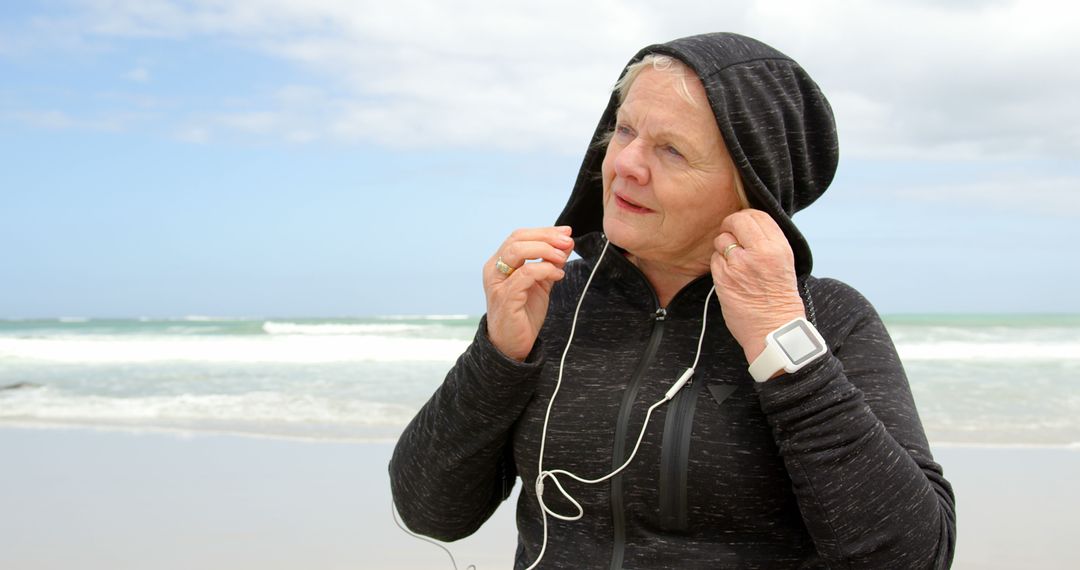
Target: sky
<point>347,158</point>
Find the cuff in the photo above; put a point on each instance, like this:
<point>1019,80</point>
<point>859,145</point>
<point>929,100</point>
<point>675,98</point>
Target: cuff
<point>499,365</point>
<point>816,380</point>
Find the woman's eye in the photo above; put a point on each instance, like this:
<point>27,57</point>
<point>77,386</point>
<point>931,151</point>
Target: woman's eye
<point>623,131</point>
<point>673,151</point>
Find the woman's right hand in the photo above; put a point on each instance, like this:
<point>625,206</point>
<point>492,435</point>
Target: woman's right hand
<point>517,303</point>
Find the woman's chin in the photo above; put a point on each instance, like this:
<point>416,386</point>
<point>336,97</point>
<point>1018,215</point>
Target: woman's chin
<point>621,234</point>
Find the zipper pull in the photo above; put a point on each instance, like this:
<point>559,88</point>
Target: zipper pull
<point>660,314</point>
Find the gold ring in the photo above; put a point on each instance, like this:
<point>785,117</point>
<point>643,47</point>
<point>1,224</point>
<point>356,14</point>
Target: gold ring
<point>729,248</point>
<point>503,267</point>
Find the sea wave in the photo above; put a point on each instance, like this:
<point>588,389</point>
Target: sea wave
<point>204,318</point>
<point>287,328</point>
<point>1070,446</point>
<point>258,413</point>
<point>54,405</point>
<point>86,349</point>
<point>951,350</point>
<point>424,317</point>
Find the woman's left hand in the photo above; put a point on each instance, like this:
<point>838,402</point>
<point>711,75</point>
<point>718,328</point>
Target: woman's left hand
<point>755,281</point>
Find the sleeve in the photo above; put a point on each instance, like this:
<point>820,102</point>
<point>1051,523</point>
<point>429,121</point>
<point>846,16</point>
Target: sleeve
<point>846,426</point>
<point>452,465</point>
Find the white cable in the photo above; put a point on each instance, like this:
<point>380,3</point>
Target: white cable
<point>393,511</point>
<point>547,415</point>
<point>704,319</point>
<point>685,378</point>
<point>553,474</point>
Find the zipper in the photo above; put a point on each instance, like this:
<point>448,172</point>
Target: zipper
<point>618,512</point>
<point>675,457</point>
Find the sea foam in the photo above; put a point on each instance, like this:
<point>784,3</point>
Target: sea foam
<point>256,413</point>
<point>283,328</point>
<point>954,350</point>
<point>274,348</point>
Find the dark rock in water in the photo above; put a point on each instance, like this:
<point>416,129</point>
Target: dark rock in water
<point>19,385</point>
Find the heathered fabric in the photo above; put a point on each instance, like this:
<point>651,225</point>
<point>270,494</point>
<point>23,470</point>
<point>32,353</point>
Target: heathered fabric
<point>775,121</point>
<point>827,467</point>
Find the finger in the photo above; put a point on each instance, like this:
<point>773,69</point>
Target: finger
<point>767,225</point>
<point>516,253</point>
<point>726,245</point>
<point>542,273</point>
<point>721,274</point>
<point>717,265</point>
<point>754,226</point>
<point>558,236</point>
<point>723,240</point>
<point>744,227</point>
<point>774,244</point>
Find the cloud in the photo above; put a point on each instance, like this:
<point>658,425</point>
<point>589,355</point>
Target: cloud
<point>138,75</point>
<point>55,119</point>
<point>1044,194</point>
<point>48,119</point>
<point>974,80</point>
<point>255,122</point>
<point>940,80</point>
<point>194,134</point>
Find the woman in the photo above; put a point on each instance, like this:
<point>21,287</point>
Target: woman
<point>784,445</point>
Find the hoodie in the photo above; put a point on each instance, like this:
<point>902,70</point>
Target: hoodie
<point>827,467</point>
<point>775,121</point>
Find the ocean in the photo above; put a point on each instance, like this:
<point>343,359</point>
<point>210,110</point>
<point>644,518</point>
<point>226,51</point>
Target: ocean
<point>977,379</point>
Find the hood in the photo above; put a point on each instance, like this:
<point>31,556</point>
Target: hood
<point>774,119</point>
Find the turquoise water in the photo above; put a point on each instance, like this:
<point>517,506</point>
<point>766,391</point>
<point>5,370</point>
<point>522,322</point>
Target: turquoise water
<point>976,378</point>
<point>994,379</point>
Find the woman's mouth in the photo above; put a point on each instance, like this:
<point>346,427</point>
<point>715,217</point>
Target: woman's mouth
<point>629,205</point>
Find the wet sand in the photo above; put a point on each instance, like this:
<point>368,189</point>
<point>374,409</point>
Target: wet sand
<point>84,498</point>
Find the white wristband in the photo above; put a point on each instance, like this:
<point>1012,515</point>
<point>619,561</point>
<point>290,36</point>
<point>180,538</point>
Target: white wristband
<point>788,348</point>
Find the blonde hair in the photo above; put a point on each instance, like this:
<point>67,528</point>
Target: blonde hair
<point>679,70</point>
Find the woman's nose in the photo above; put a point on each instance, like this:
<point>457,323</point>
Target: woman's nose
<point>631,163</point>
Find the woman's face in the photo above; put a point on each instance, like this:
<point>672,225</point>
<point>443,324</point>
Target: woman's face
<point>668,179</point>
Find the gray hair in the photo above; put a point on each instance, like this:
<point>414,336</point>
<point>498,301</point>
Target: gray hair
<point>660,63</point>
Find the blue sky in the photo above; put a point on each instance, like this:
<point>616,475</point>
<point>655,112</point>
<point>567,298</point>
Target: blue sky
<point>322,158</point>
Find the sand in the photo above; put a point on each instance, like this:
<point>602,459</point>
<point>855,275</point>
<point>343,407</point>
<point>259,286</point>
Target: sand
<point>89,499</point>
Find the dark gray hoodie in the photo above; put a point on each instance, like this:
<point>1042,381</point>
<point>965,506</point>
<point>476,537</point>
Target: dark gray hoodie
<point>775,121</point>
<point>827,467</point>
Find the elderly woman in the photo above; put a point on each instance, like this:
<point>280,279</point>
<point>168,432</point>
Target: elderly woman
<point>686,395</point>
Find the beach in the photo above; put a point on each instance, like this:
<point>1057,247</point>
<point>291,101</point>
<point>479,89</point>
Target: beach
<point>90,499</point>
<point>261,443</point>
<point>125,499</point>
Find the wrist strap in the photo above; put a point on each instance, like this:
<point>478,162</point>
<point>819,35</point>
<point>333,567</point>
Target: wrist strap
<point>768,362</point>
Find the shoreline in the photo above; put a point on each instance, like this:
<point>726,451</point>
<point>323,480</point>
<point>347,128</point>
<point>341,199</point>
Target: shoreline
<point>120,499</point>
<point>189,432</point>
<point>382,435</point>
